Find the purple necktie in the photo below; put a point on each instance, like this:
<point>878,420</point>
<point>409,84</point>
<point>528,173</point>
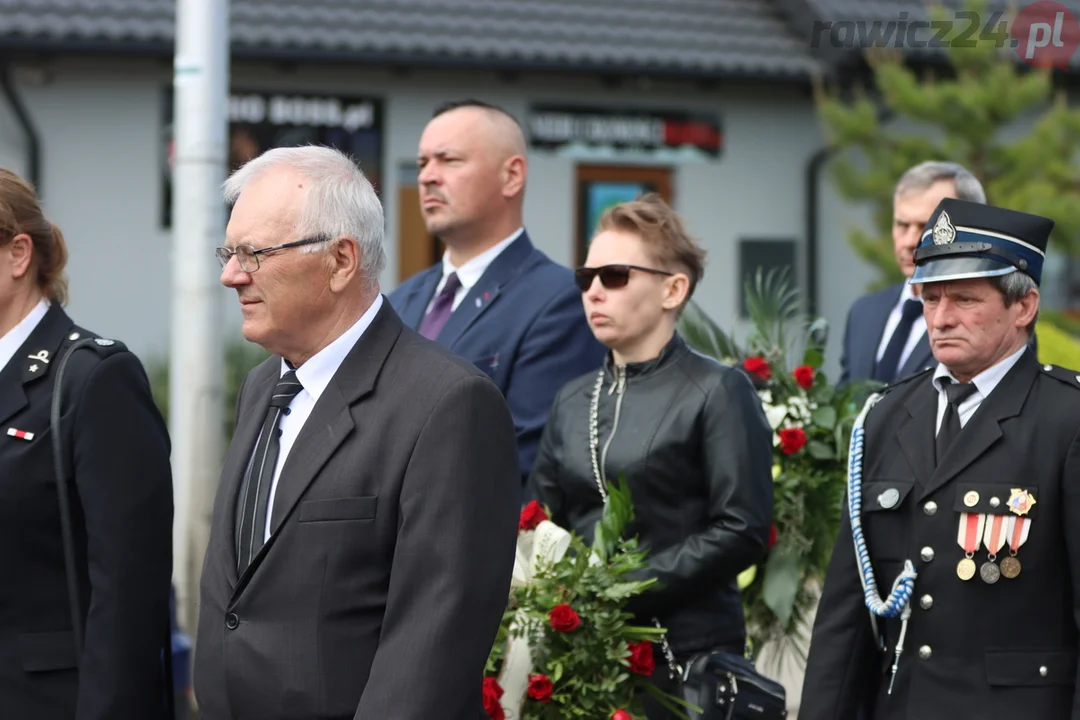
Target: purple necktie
<point>433,322</point>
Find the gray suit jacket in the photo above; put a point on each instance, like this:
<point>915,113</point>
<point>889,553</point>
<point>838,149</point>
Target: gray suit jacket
<point>862,336</point>
<point>381,588</point>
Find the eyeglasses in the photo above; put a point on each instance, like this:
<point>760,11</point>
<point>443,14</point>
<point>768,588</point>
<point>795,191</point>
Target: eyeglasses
<point>248,257</point>
<point>612,277</point>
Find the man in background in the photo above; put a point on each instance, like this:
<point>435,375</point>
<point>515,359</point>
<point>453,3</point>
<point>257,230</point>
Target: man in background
<point>885,337</point>
<point>494,299</point>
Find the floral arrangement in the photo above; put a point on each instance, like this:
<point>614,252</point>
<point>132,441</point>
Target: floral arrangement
<point>585,659</point>
<point>811,421</point>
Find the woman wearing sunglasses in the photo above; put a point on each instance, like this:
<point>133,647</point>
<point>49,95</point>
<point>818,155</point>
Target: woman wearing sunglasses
<point>688,434</point>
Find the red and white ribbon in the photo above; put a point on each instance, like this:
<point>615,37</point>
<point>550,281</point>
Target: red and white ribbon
<point>996,531</point>
<point>970,533</point>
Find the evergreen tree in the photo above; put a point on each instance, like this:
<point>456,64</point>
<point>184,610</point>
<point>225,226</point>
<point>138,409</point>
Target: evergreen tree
<point>961,118</point>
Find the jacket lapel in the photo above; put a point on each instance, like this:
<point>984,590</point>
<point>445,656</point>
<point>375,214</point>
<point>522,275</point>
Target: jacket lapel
<point>879,316</point>
<point>412,312</point>
<point>483,294</point>
<point>916,435</point>
<point>921,358</point>
<point>261,384</point>
<point>984,427</point>
<point>44,344</point>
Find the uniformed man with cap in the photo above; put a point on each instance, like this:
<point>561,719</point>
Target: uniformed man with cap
<point>954,585</point>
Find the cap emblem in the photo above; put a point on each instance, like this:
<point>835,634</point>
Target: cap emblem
<point>944,232</point>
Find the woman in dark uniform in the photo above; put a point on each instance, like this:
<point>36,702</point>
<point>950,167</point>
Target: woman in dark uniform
<point>689,434</point>
<point>118,487</point>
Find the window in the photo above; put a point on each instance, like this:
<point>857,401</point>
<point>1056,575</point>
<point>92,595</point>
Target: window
<point>599,187</point>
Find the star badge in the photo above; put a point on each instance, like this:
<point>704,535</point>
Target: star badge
<point>1020,501</point>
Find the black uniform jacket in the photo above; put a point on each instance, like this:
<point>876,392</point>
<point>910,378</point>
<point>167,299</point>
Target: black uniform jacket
<point>690,436</point>
<point>117,471</point>
<point>973,649</point>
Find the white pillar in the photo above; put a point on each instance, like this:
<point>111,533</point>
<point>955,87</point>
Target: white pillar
<point>200,125</point>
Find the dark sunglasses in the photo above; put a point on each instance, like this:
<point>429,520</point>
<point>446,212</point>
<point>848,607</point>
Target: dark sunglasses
<point>612,277</point>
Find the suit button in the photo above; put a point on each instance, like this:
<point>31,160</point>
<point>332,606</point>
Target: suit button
<point>231,621</point>
<point>927,554</point>
<point>926,602</point>
<point>925,652</point>
<point>930,508</point>
<point>1043,671</point>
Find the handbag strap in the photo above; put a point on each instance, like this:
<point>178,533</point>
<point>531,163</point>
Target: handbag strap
<point>67,534</point>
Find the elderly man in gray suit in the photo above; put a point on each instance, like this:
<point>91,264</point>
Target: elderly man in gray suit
<point>885,337</point>
<point>364,529</point>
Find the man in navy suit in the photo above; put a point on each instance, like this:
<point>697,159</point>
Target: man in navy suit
<point>494,299</point>
<point>885,337</point>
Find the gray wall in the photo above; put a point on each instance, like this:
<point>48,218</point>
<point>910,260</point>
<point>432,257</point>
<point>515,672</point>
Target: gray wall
<point>100,122</point>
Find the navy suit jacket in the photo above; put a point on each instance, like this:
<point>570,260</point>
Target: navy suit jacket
<point>523,324</point>
<point>862,337</point>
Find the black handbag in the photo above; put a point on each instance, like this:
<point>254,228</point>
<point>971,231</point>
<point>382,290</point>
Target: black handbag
<point>67,533</point>
<point>725,686</point>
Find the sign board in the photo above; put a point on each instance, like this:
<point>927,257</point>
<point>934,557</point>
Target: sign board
<point>561,127</point>
<point>259,121</point>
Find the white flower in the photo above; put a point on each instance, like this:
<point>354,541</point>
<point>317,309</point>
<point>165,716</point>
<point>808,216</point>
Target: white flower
<point>776,415</point>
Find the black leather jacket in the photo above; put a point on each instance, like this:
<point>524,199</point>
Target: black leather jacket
<point>691,438</point>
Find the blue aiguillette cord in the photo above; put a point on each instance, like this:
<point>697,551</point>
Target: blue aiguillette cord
<point>898,602</point>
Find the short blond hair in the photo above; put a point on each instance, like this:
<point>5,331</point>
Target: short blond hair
<point>662,231</point>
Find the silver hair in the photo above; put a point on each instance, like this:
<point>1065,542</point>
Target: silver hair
<point>1015,286</point>
<point>923,175</point>
<point>341,202</point>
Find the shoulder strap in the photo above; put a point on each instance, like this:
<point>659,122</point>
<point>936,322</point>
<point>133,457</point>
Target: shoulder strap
<point>67,534</point>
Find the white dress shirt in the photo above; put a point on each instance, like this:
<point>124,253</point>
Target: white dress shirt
<point>918,328</point>
<point>314,375</point>
<point>14,338</point>
<point>470,272</point>
<point>984,382</point>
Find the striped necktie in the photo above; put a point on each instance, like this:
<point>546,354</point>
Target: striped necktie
<point>260,475</point>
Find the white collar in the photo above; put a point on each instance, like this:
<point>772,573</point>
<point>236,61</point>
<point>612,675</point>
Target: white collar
<point>320,368</point>
<point>906,293</point>
<point>14,338</point>
<point>471,271</point>
<point>988,379</point>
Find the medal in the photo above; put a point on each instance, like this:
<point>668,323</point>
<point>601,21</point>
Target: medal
<point>995,539</point>
<point>1017,532</point>
<point>969,537</point>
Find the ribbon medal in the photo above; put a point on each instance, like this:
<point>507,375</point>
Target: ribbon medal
<point>995,539</point>
<point>1017,532</point>
<point>969,537</point>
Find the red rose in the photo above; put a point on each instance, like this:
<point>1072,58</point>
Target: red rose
<point>757,366</point>
<point>540,687</point>
<point>531,515</point>
<point>563,618</point>
<point>804,376</point>
<point>792,440</point>
<point>772,535</point>
<point>621,715</point>
<point>641,658</point>
<point>492,693</point>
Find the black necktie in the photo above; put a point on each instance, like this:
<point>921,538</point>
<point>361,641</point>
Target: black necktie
<point>950,422</point>
<point>260,474</point>
<point>888,365</point>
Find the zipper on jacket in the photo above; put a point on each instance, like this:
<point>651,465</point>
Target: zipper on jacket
<point>617,386</point>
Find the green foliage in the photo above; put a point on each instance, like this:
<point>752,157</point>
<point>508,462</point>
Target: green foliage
<point>240,357</point>
<point>961,118</point>
<point>1056,346</point>
<point>811,422</point>
<point>589,665</point>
